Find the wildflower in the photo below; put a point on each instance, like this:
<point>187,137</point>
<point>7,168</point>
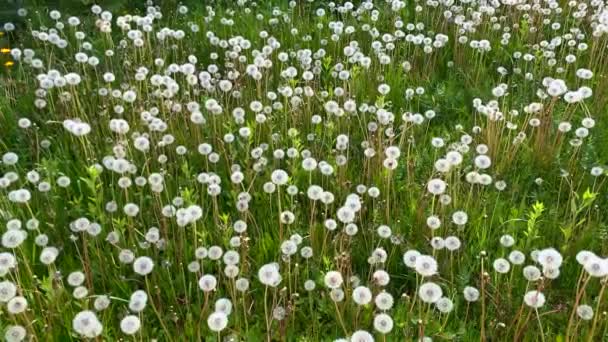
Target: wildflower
<point>269,275</point>
<point>409,258</point>
<point>373,192</point>
<point>207,283</point>
<point>8,291</point>
<point>131,209</point>
<point>444,305</point>
<point>223,305</point>
<point>596,267</point>
<point>384,301</point>
<point>550,258</point>
<point>201,253</point>
<point>452,243</point>
<point>16,305</point>
<point>500,185</point>
<point>437,243</point>
<point>471,294</point>
<point>507,240</point>
<point>482,161</point>
<point>126,256</point>
<point>242,284</point>
<point>143,265</point>
<point>381,277</point>
<point>101,303</point>
<point>551,273</point>
<point>345,215</point>
<point>10,158</point>
<point>138,301</point>
<point>460,218</point>
<point>534,299</point>
<point>15,333</point>
<point>501,265</point>
<point>517,257</point>
<point>531,273</point>
<point>454,158</point>
<point>362,295</point>
<point>426,265</point>
<point>233,257</point>
<point>48,255</point>
<point>86,324</point>
<point>583,256</point>
<point>130,324</point>
<point>279,177</point>
<point>433,222</point>
<point>76,278</point>
<point>436,186</point>
<point>337,295</point>
<point>13,238</point>
<point>306,252</point>
<point>361,336</point>
<point>215,252</point>
<point>383,323</point>
<point>430,292</point>
<point>585,312</point>
<point>384,231</point>
<point>19,196</point>
<point>333,279</point>
<point>80,292</point>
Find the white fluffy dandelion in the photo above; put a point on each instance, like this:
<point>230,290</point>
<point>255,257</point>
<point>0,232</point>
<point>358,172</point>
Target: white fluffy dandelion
<point>86,324</point>
<point>143,265</point>
<point>430,292</point>
<point>534,299</point>
<point>130,324</point>
<point>217,321</point>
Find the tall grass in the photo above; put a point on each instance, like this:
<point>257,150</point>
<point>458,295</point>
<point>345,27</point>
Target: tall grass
<point>305,171</point>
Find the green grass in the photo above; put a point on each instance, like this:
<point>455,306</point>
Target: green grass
<point>551,199</point>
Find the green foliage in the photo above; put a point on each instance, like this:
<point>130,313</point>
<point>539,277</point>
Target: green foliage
<point>550,197</point>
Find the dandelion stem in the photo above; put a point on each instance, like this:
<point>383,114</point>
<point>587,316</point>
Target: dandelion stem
<point>597,310</point>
